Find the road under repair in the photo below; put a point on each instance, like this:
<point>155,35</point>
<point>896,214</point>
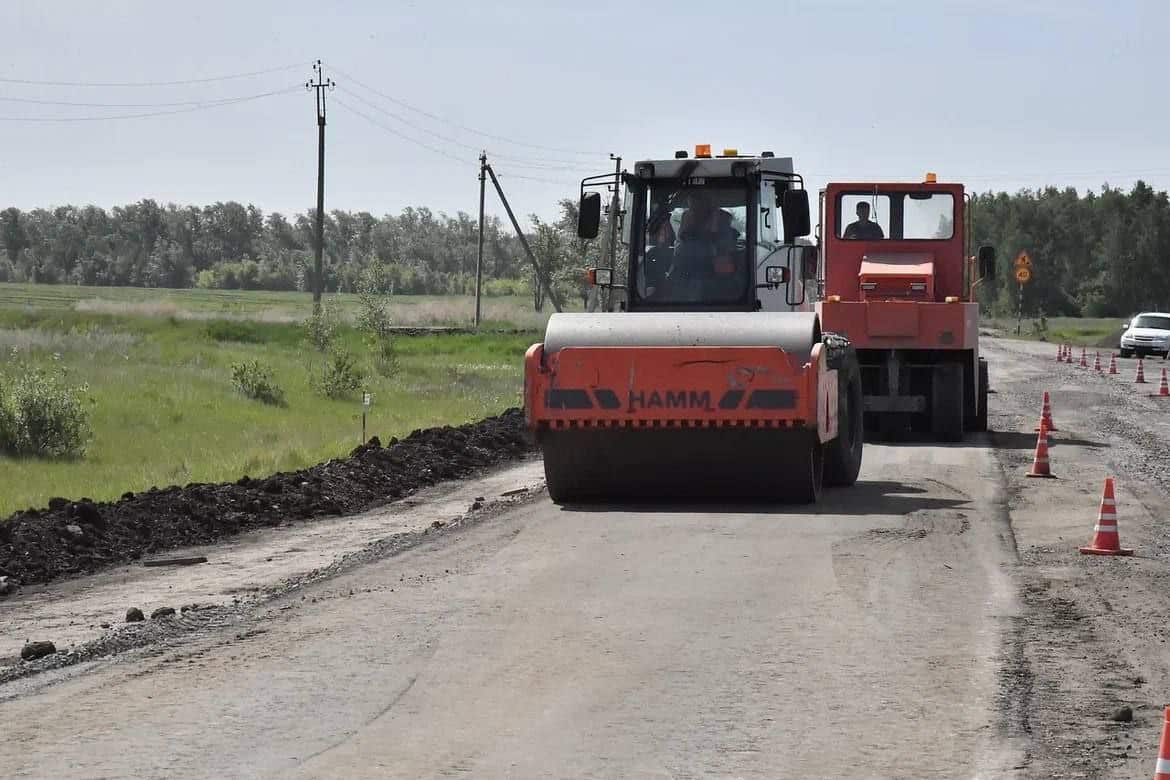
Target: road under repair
<point>934,620</point>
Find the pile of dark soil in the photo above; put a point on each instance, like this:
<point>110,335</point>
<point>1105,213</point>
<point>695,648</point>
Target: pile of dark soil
<point>78,537</point>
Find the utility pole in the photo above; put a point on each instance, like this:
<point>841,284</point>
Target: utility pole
<point>319,87</point>
<point>541,275</point>
<point>613,221</point>
<point>479,257</point>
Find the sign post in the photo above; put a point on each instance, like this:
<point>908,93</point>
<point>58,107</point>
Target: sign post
<point>365,411</point>
<point>1023,276</point>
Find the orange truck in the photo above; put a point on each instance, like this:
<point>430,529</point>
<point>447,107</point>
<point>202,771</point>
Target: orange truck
<point>897,279</point>
<point>711,381</point>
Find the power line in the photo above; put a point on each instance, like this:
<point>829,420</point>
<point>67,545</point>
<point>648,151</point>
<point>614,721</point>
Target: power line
<point>536,178</point>
<point>518,161</point>
<point>199,107</point>
<point>392,131</point>
<point>465,128</point>
<point>181,82</point>
<point>203,102</point>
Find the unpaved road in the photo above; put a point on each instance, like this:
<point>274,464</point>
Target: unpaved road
<point>895,631</point>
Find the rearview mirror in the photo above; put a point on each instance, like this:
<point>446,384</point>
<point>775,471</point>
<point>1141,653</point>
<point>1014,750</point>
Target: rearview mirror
<point>589,215</point>
<point>808,262</point>
<point>794,209</point>
<point>987,262</point>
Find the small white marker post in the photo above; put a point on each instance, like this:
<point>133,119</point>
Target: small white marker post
<point>365,411</point>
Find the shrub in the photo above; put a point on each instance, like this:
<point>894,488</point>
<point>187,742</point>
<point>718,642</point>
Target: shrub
<point>340,376</point>
<point>42,415</point>
<point>231,330</point>
<point>321,327</point>
<point>374,321</point>
<point>254,379</point>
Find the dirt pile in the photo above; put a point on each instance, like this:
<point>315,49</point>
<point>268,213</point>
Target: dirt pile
<point>79,537</point>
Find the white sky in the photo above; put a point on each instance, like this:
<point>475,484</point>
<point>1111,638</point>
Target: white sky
<point>999,95</point>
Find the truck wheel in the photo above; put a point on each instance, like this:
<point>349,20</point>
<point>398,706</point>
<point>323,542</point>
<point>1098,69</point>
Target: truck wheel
<point>1125,353</point>
<point>843,454</point>
<point>946,402</point>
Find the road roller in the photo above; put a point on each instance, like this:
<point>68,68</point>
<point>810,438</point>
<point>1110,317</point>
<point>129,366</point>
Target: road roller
<point>714,379</point>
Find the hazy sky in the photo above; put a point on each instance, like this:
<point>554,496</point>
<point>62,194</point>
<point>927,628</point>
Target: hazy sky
<point>1000,95</point>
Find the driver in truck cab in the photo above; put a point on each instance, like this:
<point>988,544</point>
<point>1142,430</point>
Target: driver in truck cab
<point>708,238</point>
<point>863,229</point>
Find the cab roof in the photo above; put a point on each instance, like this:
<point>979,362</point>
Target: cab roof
<point>712,167</point>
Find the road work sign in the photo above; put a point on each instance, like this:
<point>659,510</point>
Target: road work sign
<point>1023,261</point>
<point>1023,274</point>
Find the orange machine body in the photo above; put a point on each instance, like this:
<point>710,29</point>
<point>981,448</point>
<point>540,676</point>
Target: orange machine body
<point>906,304</point>
<point>679,387</point>
<point>898,293</point>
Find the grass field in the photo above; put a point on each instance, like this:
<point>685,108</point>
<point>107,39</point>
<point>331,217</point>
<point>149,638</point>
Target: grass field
<point>504,312</point>
<point>1078,331</point>
<point>163,408</point>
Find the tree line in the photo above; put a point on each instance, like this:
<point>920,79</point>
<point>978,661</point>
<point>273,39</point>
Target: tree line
<point>235,246</point>
<point>1101,254</point>
<point>1098,254</point>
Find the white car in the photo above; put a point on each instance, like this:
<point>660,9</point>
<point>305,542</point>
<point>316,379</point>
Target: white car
<point>1147,334</point>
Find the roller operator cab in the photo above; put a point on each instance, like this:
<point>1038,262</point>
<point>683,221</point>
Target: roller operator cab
<point>710,381</point>
<point>898,282</point>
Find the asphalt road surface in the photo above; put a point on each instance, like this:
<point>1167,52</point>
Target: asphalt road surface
<point>862,638</point>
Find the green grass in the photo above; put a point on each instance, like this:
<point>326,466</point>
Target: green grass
<point>1078,331</point>
<point>513,311</point>
<point>164,411</point>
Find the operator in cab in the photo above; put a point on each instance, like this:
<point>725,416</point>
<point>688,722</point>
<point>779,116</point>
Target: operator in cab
<point>864,229</point>
<point>654,271</point>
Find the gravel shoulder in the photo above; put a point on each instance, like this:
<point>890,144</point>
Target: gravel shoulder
<point>1091,640</point>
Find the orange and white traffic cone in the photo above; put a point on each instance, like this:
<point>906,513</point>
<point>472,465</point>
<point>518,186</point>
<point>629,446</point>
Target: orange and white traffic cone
<point>1163,388</point>
<point>1140,377</point>
<point>1068,358</point>
<point>1097,363</point>
<point>1040,467</point>
<point>1113,363</point>
<point>1105,538</point>
<point>1084,358</point>
<point>1162,769</point>
<point>1060,354</point>
<point>1046,415</point>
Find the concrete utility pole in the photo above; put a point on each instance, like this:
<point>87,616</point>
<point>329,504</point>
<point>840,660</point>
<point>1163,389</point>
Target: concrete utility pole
<point>614,212</point>
<point>319,87</point>
<point>541,274</point>
<point>479,256</point>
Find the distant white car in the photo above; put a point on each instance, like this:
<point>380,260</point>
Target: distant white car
<point>1147,334</point>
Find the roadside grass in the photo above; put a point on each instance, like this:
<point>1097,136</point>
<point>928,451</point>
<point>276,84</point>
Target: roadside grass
<point>164,411</point>
<point>510,312</point>
<point>1077,331</point>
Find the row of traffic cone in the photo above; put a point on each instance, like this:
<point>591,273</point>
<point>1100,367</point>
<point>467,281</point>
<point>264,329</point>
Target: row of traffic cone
<point>1106,540</point>
<point>1064,355</point>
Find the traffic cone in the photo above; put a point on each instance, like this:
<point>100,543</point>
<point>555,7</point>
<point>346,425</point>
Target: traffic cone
<point>1084,358</point>
<point>1060,354</point>
<point>1040,466</point>
<point>1113,363</point>
<point>1105,538</point>
<point>1163,388</point>
<point>1097,363</point>
<point>1140,377</point>
<point>1162,769</point>
<point>1046,415</point>
<point>1068,358</point>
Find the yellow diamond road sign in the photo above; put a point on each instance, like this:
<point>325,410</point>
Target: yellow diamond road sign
<point>1023,261</point>
<point>1023,274</point>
